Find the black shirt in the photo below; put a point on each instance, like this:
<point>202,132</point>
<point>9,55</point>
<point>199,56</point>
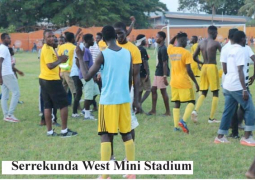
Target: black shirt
<point>145,57</point>
<point>162,56</point>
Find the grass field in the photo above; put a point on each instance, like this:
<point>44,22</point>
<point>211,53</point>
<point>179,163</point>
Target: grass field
<point>155,138</point>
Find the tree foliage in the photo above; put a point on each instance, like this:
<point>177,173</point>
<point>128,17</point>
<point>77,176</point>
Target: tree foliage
<point>248,8</point>
<point>84,13</point>
<point>227,7</point>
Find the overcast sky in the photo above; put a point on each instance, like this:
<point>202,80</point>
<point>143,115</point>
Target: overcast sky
<point>172,5</point>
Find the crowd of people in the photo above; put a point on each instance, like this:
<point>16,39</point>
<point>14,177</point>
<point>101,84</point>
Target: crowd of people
<point>119,72</point>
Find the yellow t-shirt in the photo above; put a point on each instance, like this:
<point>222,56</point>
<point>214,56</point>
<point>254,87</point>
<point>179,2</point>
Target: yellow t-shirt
<point>67,49</point>
<point>48,56</point>
<point>194,65</point>
<point>179,57</point>
<point>135,52</point>
<point>102,45</point>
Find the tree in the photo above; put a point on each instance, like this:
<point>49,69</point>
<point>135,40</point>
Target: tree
<point>248,8</point>
<point>86,13</point>
<point>227,7</point>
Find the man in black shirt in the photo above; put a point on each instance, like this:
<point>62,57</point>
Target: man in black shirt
<point>145,82</point>
<point>160,79</point>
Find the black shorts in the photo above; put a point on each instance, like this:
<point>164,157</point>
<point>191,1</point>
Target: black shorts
<point>53,94</point>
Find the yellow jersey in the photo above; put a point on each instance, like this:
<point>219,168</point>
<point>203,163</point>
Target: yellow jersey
<point>135,52</point>
<point>67,49</point>
<point>179,58</point>
<point>194,65</point>
<point>102,45</point>
<point>48,55</point>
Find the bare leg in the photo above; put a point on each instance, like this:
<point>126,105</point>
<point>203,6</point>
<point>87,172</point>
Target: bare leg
<point>145,96</point>
<point>47,115</point>
<point>154,100</point>
<point>250,174</point>
<point>166,101</point>
<point>64,115</point>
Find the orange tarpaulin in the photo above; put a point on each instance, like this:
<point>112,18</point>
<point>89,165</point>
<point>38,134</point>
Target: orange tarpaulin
<point>26,41</point>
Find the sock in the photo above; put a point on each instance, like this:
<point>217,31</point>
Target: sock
<point>130,150</point>
<point>50,132</point>
<point>87,113</point>
<point>105,154</point>
<point>176,114</point>
<point>188,111</point>
<point>214,107</point>
<point>64,131</point>
<point>200,102</point>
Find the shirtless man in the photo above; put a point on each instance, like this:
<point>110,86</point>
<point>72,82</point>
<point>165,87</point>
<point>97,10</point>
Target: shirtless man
<point>209,72</point>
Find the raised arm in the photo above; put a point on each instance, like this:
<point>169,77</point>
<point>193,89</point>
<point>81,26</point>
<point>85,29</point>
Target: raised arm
<point>131,25</point>
<point>87,73</point>
<point>173,40</point>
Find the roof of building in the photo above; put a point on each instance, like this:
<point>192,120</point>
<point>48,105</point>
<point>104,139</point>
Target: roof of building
<point>178,15</point>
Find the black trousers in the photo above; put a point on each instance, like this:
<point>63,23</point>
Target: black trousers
<point>237,119</point>
<point>78,85</point>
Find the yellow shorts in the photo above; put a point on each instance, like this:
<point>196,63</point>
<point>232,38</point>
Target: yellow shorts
<point>114,118</point>
<point>196,71</point>
<point>220,73</point>
<point>182,95</point>
<point>209,77</point>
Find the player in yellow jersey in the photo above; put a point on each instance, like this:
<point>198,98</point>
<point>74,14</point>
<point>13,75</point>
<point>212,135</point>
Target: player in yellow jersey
<point>181,85</point>
<point>102,45</point>
<point>194,65</point>
<point>209,72</point>
<point>67,49</point>
<point>121,33</point>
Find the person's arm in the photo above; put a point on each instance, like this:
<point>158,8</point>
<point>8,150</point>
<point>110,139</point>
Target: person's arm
<point>165,72</point>
<point>242,81</point>
<point>16,70</point>
<point>77,62</point>
<point>1,62</point>
<point>136,80</point>
<point>195,55</point>
<point>89,73</point>
<point>61,59</point>
<point>146,65</point>
<point>219,47</point>
<point>191,75</point>
<point>173,40</point>
<point>252,78</point>
<point>77,35</point>
<point>130,74</point>
<point>131,25</point>
<point>224,67</point>
<point>164,57</point>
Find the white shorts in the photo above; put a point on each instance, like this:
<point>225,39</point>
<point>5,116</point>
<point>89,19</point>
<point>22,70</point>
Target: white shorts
<point>134,121</point>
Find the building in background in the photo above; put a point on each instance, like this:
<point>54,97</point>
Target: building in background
<point>160,20</point>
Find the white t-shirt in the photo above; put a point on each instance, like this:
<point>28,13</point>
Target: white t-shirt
<point>7,63</point>
<point>224,55</point>
<point>75,69</point>
<point>250,53</point>
<point>94,51</point>
<point>149,40</point>
<point>237,56</point>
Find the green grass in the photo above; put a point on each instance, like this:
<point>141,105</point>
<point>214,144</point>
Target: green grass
<point>155,139</point>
